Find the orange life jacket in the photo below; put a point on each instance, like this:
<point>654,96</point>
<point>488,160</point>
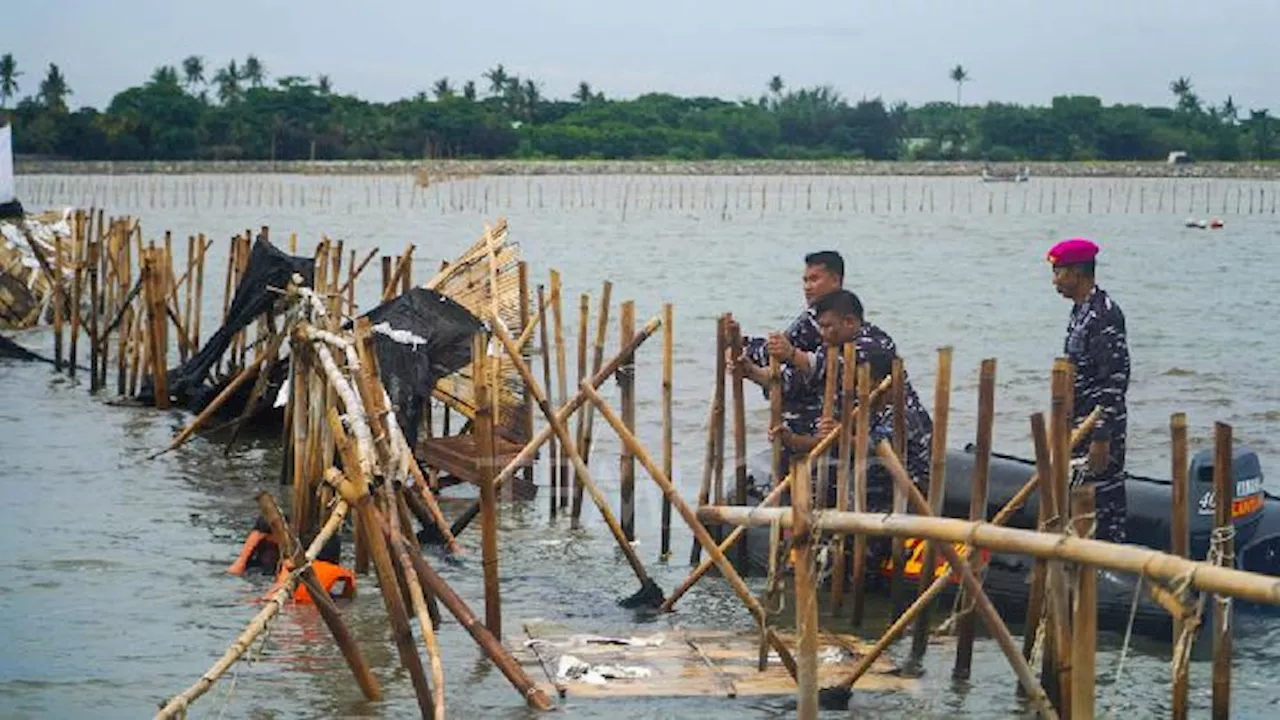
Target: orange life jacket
<point>328,574</point>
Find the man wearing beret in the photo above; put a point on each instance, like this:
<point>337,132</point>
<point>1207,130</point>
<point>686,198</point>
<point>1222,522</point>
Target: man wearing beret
<point>1097,346</point>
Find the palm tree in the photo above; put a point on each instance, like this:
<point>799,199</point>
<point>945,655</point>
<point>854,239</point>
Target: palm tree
<point>54,90</point>
<point>165,75</point>
<point>193,70</point>
<point>1180,87</point>
<point>228,81</point>
<point>469,91</point>
<point>1230,111</point>
<point>532,96</point>
<point>959,76</point>
<point>583,94</point>
<point>775,85</point>
<point>325,84</point>
<point>254,71</point>
<point>442,89</point>
<point>1187,100</point>
<point>497,78</point>
<point>8,78</point>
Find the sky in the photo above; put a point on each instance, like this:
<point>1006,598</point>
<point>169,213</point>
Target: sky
<point>1020,51</point>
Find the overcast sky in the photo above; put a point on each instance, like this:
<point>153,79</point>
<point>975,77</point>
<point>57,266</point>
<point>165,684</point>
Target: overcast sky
<point>1023,51</point>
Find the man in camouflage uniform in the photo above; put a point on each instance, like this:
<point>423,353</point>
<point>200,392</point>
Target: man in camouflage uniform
<point>840,320</point>
<point>1097,346</point>
<point>824,273</point>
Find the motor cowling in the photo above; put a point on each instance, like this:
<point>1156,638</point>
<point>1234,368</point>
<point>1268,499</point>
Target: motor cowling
<point>1248,503</point>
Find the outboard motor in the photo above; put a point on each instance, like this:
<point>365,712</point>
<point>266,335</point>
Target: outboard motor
<point>1247,506</point>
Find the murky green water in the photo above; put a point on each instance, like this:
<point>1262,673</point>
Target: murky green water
<point>115,596</point>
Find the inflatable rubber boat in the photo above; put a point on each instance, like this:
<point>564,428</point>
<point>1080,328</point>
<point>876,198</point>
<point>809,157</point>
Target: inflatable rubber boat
<point>1149,502</point>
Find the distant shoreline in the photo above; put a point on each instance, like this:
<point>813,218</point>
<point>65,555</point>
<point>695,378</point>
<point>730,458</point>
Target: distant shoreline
<point>464,168</point>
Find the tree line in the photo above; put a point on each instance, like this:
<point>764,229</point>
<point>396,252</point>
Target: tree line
<point>237,112</point>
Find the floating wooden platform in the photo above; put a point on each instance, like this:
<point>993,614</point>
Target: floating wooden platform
<point>456,455</point>
<point>679,662</point>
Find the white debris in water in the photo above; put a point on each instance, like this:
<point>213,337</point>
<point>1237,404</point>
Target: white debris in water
<point>404,337</point>
<point>832,655</point>
<point>571,668</point>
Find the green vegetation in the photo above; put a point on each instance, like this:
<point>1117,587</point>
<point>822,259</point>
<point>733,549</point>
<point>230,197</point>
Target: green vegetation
<point>184,113</point>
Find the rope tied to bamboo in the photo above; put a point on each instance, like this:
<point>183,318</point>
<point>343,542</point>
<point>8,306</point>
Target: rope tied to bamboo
<point>1218,539</point>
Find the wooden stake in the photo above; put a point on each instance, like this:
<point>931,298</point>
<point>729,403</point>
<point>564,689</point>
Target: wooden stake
<point>1180,546</point>
<point>806,594</point>
<point>627,389</point>
<point>849,396</point>
<point>897,584</point>
<point>553,465</point>
<point>584,312</point>
<point>557,311</point>
<point>1084,634</point>
<point>734,344</point>
<point>1224,495</point>
<point>482,428</point>
<point>861,444</point>
<point>977,505</point>
<point>937,482</point>
<point>668,352</point>
<point>712,470</point>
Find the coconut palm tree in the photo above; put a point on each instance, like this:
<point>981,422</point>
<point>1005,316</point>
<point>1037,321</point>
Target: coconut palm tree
<point>1230,111</point>
<point>8,78</point>
<point>193,70</point>
<point>959,76</point>
<point>1188,101</point>
<point>442,89</point>
<point>775,85</point>
<point>53,89</point>
<point>469,91</point>
<point>532,96</point>
<point>497,78</point>
<point>228,81</point>
<point>254,71</point>
<point>165,75</point>
<point>583,93</point>
<point>325,84</point>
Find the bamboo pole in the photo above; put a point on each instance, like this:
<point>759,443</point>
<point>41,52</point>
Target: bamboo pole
<point>806,595</point>
<point>94,259</point>
<point>291,548</point>
<point>482,429</point>
<point>937,485</point>
<point>627,390</point>
<point>668,368</point>
<point>861,443</point>
<point>77,288</point>
<point>1224,531</point>
<point>1058,649</point>
<point>690,517</point>
<point>526,332</point>
<point>557,312</point>
<point>179,704</point>
<point>714,462</point>
<point>199,299</point>
<point>1084,635</point>
<point>584,316</point>
<point>733,342</point>
<point>1047,509</point>
<point>158,351</point>
<point>977,505</point>
<point>563,414</point>
<point>426,619</point>
<point>553,464</point>
<point>1180,546</point>
<point>59,302</point>
<point>849,390</point>
<point>897,583</point>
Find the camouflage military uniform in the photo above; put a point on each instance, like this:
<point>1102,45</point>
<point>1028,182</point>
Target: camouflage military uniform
<point>1097,346</point>
<point>800,405</point>
<point>919,425</point>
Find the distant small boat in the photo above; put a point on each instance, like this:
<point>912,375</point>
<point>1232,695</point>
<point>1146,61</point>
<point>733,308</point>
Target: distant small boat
<point>1214,224</point>
<point>1022,175</point>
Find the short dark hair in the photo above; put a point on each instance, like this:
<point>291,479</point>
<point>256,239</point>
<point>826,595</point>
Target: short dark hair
<point>841,302</point>
<point>829,259</point>
<point>331,551</point>
<point>1087,268</point>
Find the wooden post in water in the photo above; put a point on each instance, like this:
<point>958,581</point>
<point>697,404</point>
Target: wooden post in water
<point>557,311</point>
<point>860,446</point>
<point>1180,544</point>
<point>158,318</point>
<point>849,395</point>
<point>1223,539</point>
<point>668,368</point>
<point>94,251</point>
<point>1058,638</point>
<point>59,304</point>
<point>627,387</point>
<point>806,596</point>
<point>897,585</point>
<point>77,287</point>
<point>584,321</point>
<point>585,419</point>
<point>977,507</point>
<point>526,317</point>
<point>1040,570</point>
<point>715,420</point>
<point>733,342</point>
<point>483,432</point>
<point>554,467</point>
<point>937,486</point>
<point>1085,626</point>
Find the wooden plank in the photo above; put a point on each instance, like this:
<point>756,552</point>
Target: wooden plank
<point>679,670</point>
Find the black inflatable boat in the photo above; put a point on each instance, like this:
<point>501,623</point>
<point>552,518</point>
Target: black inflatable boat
<point>1149,501</point>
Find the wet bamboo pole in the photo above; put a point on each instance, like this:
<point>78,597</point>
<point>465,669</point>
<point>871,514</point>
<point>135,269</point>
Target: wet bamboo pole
<point>897,584</point>
<point>1179,545</point>
<point>179,704</point>
<point>557,313</point>
<point>861,443</point>
<point>482,429</point>
<point>806,595</point>
<point>937,487</point>
<point>1047,509</point>
<point>714,460</point>
<point>668,368</point>
<point>59,302</point>
<point>849,397</point>
<point>584,319</point>
<point>1084,647</point>
<point>77,288</point>
<point>733,342</point>
<point>199,297</point>
<point>292,549</point>
<point>648,587</point>
<point>585,425</point>
<point>526,332</point>
<point>700,533</point>
<point>977,505</point>
<point>1223,538</point>
<point>158,320</point>
<point>1058,636</point>
<point>627,391</point>
<point>553,480</point>
<point>94,259</point>
<point>426,619</point>
<point>562,415</point>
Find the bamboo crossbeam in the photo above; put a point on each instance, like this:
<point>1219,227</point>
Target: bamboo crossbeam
<point>1154,564</point>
